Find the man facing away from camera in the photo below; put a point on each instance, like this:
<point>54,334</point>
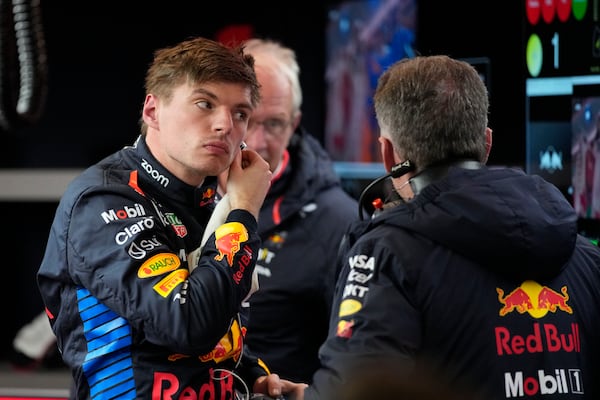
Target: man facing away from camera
<point>473,275</point>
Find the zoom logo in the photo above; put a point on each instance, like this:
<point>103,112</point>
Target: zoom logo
<point>158,177</point>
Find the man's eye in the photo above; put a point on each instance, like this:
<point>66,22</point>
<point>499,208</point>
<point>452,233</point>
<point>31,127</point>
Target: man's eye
<point>273,124</point>
<point>242,116</point>
<point>203,104</point>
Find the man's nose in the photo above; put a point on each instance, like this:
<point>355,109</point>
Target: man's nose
<point>223,120</point>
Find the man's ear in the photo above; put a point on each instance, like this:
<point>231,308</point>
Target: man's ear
<point>488,143</point>
<point>149,111</point>
<point>388,155</point>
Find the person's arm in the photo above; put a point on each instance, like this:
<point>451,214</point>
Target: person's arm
<point>367,307</point>
<point>137,267</point>
<point>248,182</point>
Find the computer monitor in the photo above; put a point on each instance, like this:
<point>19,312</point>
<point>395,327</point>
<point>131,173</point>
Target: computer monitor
<point>364,37</point>
<point>560,53</point>
<point>585,156</point>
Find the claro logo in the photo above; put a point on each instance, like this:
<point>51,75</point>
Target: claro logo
<point>123,236</point>
<point>158,177</point>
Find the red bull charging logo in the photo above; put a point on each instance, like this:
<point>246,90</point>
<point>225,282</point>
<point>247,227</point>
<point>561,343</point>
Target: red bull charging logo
<point>230,345</point>
<point>344,328</point>
<point>207,197</point>
<point>534,299</point>
<point>228,239</point>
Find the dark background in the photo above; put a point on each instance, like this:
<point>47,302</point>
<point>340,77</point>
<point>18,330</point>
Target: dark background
<point>97,53</point>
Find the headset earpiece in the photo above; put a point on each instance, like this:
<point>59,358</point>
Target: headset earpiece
<point>401,169</point>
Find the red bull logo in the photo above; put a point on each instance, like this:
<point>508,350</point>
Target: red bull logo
<point>167,385</point>
<point>228,239</point>
<point>230,345</point>
<point>534,299</point>
<point>207,196</point>
<point>542,338</point>
<point>344,328</point>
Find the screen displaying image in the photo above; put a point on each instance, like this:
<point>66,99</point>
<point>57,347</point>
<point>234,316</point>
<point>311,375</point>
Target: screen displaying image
<point>560,53</point>
<point>548,137</point>
<point>363,39</point>
<point>585,151</point>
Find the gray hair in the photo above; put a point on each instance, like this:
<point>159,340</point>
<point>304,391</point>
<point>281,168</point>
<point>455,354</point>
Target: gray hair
<point>282,58</point>
<point>434,108</point>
